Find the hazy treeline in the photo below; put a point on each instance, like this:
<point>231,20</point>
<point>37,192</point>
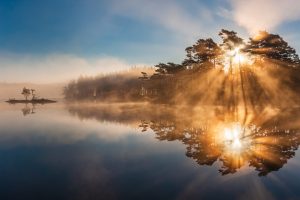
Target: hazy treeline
<point>121,86</point>
<point>263,70</point>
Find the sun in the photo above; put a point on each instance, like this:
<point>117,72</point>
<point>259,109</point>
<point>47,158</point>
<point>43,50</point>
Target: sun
<point>235,59</point>
<point>238,57</point>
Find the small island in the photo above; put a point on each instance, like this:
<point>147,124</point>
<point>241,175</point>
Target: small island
<point>34,100</point>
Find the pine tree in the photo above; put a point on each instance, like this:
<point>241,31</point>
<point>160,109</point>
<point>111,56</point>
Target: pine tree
<point>273,47</point>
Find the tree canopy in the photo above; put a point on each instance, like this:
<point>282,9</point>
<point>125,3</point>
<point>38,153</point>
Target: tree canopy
<point>26,92</point>
<point>274,47</point>
<point>230,39</point>
<point>206,52</point>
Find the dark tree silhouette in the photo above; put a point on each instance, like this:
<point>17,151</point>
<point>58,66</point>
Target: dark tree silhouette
<point>26,92</point>
<point>273,47</point>
<point>169,68</point>
<point>205,50</point>
<point>144,76</point>
<point>230,39</point>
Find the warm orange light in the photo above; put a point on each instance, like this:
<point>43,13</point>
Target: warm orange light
<point>235,59</point>
<point>232,137</point>
<point>238,57</point>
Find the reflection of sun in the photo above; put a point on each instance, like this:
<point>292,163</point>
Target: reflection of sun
<point>233,137</point>
<point>233,144</point>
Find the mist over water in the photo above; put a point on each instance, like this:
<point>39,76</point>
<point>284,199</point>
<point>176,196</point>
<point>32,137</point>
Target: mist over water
<point>111,151</point>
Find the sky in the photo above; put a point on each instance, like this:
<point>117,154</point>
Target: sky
<point>58,40</point>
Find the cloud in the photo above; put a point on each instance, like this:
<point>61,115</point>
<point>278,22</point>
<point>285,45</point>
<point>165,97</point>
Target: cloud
<point>56,67</point>
<point>255,15</point>
<point>170,15</point>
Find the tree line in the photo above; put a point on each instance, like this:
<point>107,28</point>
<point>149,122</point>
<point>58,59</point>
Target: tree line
<point>213,68</point>
<point>202,71</point>
<point>121,86</point>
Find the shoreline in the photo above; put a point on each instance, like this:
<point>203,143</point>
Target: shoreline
<point>35,101</point>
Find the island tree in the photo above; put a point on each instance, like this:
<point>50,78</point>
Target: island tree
<point>26,93</point>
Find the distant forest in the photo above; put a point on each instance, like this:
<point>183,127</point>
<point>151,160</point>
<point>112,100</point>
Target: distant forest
<point>264,69</point>
<point>114,87</point>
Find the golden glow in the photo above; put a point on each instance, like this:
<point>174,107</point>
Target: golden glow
<point>238,57</point>
<point>210,134</point>
<point>233,137</point>
<point>235,59</point>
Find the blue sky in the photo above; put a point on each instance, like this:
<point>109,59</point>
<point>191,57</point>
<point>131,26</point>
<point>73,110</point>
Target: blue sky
<point>45,37</point>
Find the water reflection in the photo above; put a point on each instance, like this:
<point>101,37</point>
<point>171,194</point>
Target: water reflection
<point>28,109</point>
<point>265,139</point>
<point>100,152</point>
<point>265,149</point>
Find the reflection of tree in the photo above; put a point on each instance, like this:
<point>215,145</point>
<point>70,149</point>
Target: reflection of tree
<point>28,109</point>
<point>267,139</point>
<point>265,148</point>
<point>271,150</point>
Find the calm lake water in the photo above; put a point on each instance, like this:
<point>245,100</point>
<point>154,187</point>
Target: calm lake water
<point>128,151</point>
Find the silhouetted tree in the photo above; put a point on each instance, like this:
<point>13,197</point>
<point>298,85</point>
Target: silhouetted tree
<point>26,93</point>
<point>169,68</point>
<point>144,76</point>
<point>273,47</point>
<point>205,50</point>
<point>230,40</point>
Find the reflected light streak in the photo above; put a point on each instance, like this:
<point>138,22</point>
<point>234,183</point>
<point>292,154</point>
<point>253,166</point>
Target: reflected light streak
<point>233,138</point>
